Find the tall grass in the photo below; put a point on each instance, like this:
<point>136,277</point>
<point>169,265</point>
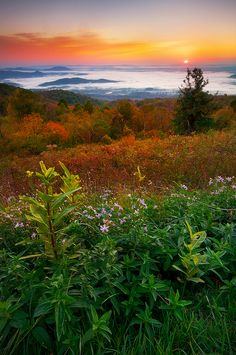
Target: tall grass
<point>188,160</point>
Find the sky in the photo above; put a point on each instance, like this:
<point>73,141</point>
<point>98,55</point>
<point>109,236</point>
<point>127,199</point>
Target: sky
<point>142,32</point>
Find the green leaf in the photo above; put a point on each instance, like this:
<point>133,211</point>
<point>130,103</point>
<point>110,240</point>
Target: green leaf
<point>88,336</point>
<point>196,279</point>
<point>58,217</point>
<point>179,269</point>
<point>61,198</point>
<point>43,309</point>
<point>106,316</point>
<point>80,304</point>
<point>42,337</point>
<point>65,169</point>
<point>94,314</point>
<point>30,256</point>
<point>19,319</point>
<point>155,323</point>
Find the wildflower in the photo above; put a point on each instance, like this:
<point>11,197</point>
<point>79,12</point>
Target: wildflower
<point>143,203</point>
<point>220,179</point>
<point>89,217</point>
<point>210,182</point>
<point>29,173</point>
<point>229,178</point>
<point>104,228</point>
<point>184,187</point>
<point>215,193</point>
<point>33,236</point>
<point>19,225</point>
<point>222,189</point>
<point>108,222</point>
<point>118,206</point>
<point>122,220</point>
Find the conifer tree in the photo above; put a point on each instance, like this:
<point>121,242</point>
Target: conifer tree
<point>194,106</point>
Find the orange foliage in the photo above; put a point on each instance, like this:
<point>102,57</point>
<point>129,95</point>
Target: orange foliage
<point>191,160</point>
<point>55,131</point>
<point>31,125</point>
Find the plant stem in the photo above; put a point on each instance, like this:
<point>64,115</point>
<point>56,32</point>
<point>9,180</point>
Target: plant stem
<point>51,230</point>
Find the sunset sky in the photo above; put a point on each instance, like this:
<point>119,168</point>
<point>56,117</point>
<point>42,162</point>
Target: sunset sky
<point>117,32</point>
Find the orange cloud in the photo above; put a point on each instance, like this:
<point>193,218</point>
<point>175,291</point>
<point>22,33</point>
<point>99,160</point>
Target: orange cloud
<point>89,48</point>
<point>85,48</point>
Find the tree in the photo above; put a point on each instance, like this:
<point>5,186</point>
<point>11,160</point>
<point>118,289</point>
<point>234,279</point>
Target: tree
<point>89,107</point>
<point>194,106</point>
<point>24,102</point>
<point>233,105</point>
<point>62,106</point>
<point>55,132</point>
<point>122,119</point>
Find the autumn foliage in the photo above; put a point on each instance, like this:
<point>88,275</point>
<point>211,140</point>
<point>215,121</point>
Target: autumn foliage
<point>106,142</point>
<point>190,160</point>
<point>55,132</point>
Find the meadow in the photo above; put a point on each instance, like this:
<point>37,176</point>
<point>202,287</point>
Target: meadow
<point>126,273</point>
<point>117,236</point>
<point>190,160</point>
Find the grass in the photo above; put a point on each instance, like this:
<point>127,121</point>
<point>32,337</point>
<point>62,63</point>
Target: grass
<point>118,273</point>
<point>188,160</point>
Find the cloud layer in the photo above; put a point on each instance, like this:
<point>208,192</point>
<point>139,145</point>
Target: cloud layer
<point>84,48</point>
<point>91,48</point>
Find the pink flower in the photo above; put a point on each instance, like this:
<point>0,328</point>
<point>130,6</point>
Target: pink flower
<point>104,228</point>
<point>122,220</point>
<point>19,225</point>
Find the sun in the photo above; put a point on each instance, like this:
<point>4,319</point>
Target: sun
<point>186,61</point>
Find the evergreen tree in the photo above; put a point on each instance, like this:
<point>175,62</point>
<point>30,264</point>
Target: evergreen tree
<point>194,106</point>
<point>89,107</point>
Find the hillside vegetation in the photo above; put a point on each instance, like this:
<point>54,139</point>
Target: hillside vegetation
<point>30,121</point>
<point>117,236</point>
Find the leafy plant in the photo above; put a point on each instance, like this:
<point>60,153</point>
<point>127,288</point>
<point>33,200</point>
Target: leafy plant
<point>99,329</point>
<point>192,259</point>
<point>49,209</point>
<point>175,304</point>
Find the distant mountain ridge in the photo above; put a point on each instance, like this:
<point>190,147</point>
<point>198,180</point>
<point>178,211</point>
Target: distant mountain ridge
<point>58,68</point>
<point>54,68</point>
<point>14,74</point>
<point>74,81</point>
<point>19,73</point>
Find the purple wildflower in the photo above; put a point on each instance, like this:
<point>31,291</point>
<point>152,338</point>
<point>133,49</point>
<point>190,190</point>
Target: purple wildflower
<point>104,228</point>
